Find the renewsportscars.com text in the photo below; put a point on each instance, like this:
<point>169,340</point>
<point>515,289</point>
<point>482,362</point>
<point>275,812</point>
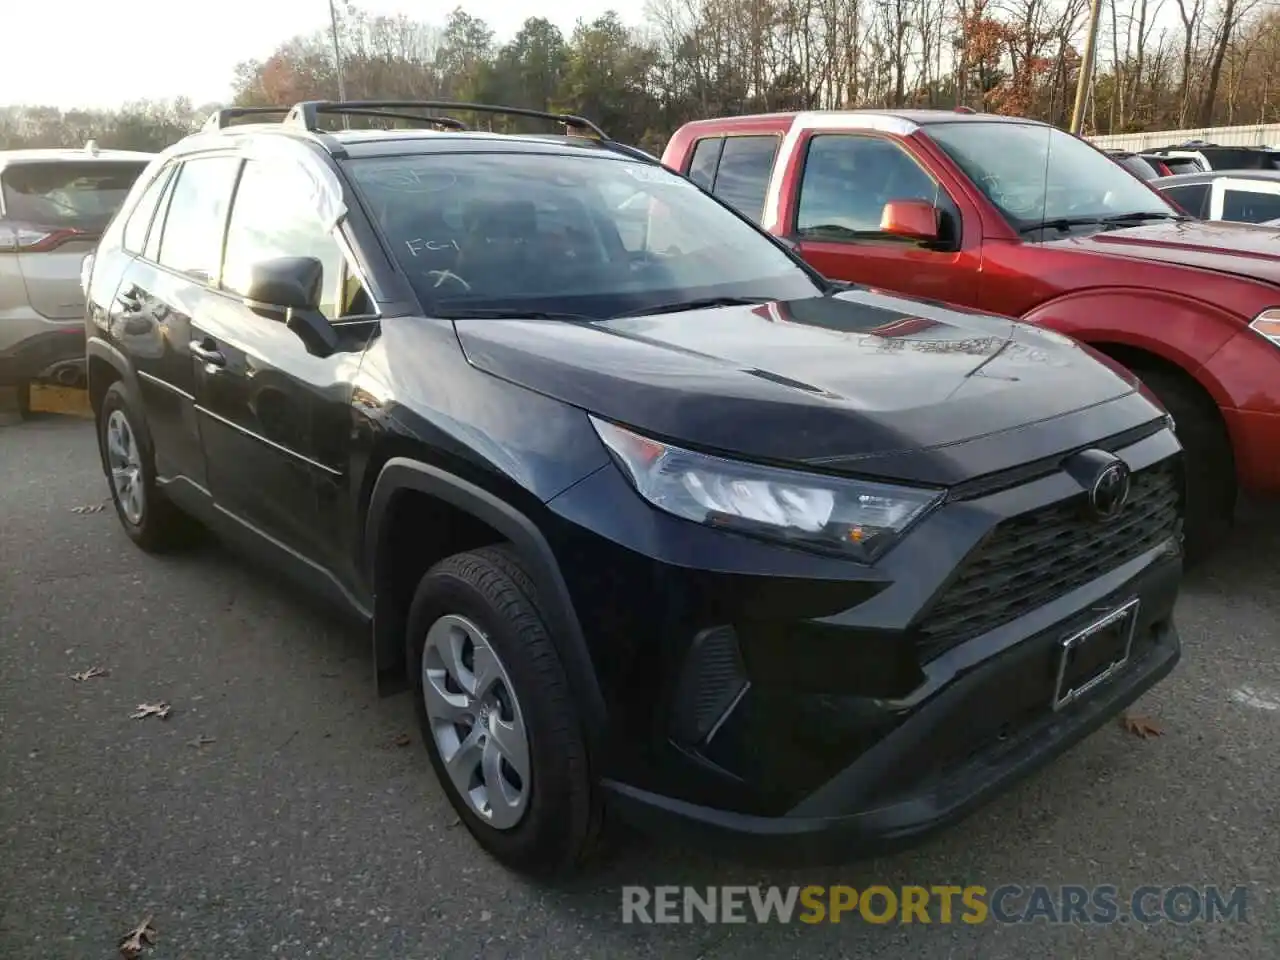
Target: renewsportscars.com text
<point>1006,904</point>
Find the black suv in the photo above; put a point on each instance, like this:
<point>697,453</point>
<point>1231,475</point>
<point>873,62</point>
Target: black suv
<point>655,521</point>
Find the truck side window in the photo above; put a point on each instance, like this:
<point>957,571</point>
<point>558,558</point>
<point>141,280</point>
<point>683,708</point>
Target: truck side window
<point>706,156</point>
<point>1190,198</point>
<point>1250,206</point>
<point>848,179</point>
<point>743,176</point>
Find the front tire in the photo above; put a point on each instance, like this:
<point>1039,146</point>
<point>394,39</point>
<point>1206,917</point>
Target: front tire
<point>497,715</point>
<point>1210,463</point>
<point>150,520</point>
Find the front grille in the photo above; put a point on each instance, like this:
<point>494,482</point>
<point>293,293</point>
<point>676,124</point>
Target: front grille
<point>1034,558</point>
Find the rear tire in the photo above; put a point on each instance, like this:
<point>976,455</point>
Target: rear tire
<point>1212,490</point>
<point>484,596</point>
<point>148,517</point>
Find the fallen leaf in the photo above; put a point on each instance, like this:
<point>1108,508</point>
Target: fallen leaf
<point>1143,727</point>
<point>160,710</point>
<point>90,674</point>
<point>403,740</point>
<point>200,741</point>
<point>131,945</point>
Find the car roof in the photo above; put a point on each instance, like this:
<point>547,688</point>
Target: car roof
<point>894,121</point>
<point>1208,176</point>
<point>89,153</point>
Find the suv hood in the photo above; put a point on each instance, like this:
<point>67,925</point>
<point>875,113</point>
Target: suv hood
<point>835,380</point>
<point>1242,249</point>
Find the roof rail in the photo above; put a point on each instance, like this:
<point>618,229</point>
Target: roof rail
<point>307,113</point>
<point>221,119</point>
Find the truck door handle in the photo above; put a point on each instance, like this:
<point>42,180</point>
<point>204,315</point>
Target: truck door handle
<point>209,354</point>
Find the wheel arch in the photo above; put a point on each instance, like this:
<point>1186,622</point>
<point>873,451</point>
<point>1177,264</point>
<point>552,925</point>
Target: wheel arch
<point>105,365</point>
<point>480,511</point>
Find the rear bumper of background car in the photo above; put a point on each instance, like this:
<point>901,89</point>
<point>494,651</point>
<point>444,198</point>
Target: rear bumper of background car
<point>48,350</point>
<point>967,742</point>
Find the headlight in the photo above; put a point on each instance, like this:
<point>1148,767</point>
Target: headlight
<point>852,518</point>
<point>1267,324</point>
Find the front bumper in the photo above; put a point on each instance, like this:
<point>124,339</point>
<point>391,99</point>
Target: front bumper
<point>989,728</point>
<point>1255,438</point>
<point>763,694</point>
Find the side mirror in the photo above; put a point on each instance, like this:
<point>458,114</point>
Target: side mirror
<point>911,220</point>
<point>286,283</point>
<point>288,289</point>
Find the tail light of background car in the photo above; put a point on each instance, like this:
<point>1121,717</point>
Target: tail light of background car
<point>29,238</point>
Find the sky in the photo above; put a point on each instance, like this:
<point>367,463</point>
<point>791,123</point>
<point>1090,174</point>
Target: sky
<point>102,54</point>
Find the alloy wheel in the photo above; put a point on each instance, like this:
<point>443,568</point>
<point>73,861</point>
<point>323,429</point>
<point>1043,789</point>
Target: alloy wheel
<point>125,463</point>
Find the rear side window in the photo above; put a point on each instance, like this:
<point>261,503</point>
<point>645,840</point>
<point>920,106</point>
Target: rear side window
<point>135,229</point>
<point>702,168</point>
<point>1248,206</point>
<point>68,194</point>
<point>1190,198</point>
<point>742,178</point>
<point>197,216</point>
<point>1182,164</point>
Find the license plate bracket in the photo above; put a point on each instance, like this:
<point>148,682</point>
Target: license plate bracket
<point>1093,655</point>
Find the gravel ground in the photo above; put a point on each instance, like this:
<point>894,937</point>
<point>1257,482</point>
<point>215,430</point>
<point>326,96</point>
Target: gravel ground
<point>274,815</point>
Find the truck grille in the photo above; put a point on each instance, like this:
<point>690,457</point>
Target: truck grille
<point>1033,559</point>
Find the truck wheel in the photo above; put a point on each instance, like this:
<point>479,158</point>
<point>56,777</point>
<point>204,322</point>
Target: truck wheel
<point>1210,463</point>
<point>150,520</point>
<point>497,716</point>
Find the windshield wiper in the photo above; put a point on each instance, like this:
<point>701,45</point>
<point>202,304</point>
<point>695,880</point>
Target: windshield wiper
<point>1066,223</point>
<point>701,303</point>
<point>1062,223</point>
<point>495,313</point>
<point>1141,215</point>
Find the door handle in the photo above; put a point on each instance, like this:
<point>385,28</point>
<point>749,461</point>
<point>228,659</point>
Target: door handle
<point>208,354</point>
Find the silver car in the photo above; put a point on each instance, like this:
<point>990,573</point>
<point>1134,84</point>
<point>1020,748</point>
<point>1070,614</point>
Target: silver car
<point>54,205</point>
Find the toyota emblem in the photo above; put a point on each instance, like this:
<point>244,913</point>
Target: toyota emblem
<point>1110,490</point>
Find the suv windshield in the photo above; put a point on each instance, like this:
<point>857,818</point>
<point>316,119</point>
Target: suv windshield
<point>1039,175</point>
<point>588,236</point>
<point>78,195</point>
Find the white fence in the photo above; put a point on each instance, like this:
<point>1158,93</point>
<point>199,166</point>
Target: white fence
<point>1258,134</point>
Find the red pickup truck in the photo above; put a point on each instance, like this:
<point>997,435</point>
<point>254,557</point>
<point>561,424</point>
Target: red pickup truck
<point>1017,217</point>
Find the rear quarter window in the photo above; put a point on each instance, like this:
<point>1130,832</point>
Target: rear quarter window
<point>1250,206</point>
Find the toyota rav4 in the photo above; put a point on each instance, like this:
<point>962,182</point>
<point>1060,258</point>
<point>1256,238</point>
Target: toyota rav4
<point>653,520</point>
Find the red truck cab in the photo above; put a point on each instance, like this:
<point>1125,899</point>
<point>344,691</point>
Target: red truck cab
<point>1017,217</point>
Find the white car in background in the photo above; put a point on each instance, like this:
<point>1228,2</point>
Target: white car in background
<point>1240,196</point>
<point>54,205</point>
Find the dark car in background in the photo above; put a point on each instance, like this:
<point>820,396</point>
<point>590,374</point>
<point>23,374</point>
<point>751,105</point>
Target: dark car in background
<point>1200,157</point>
<point>53,206</point>
<point>651,518</point>
<point>1140,165</point>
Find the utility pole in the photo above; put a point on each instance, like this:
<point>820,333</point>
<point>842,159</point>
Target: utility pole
<point>1086,67</point>
<point>337,58</point>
